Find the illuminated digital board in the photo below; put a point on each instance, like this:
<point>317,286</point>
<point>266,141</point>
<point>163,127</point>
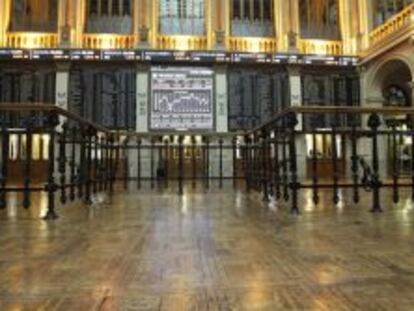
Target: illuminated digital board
<point>182,98</point>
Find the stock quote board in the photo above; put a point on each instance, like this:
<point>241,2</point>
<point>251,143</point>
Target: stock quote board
<point>182,99</point>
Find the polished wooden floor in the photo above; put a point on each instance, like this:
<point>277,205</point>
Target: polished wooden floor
<point>222,250</point>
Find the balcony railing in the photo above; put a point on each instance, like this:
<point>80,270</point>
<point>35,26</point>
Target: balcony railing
<point>32,40</point>
<point>325,47</point>
<point>250,44</point>
<point>166,42</point>
<point>108,41</point>
<point>400,21</point>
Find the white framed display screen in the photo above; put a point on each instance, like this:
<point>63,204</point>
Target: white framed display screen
<point>182,98</point>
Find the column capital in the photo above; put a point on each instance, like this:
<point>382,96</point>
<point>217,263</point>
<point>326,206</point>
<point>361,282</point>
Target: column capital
<point>294,70</point>
<point>63,66</point>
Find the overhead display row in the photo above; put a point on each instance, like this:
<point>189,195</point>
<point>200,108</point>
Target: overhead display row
<point>176,56</point>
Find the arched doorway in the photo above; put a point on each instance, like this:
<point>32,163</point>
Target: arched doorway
<point>392,84</point>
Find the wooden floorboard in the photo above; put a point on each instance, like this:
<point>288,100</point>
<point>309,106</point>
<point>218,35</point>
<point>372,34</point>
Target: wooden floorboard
<point>222,250</point>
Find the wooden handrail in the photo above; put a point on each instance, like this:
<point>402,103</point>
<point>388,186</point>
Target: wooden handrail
<point>333,110</point>
<point>43,107</point>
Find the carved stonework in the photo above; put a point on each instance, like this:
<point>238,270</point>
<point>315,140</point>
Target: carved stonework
<point>143,34</point>
<point>292,40</point>
<point>65,35</point>
<point>220,35</point>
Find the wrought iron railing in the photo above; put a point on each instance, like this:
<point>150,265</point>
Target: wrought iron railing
<point>377,143</point>
<point>370,149</point>
<point>71,168</point>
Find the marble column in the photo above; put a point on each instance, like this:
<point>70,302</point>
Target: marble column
<point>221,99</point>
<point>79,22</point>
<point>142,98</point>
<point>366,22</point>
<point>62,88</point>
<point>295,82</point>
<point>5,13</point>
<point>64,23</point>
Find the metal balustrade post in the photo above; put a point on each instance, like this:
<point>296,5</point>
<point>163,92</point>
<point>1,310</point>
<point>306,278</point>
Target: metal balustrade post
<point>62,163</point>
<point>276,166</point>
<point>294,183</point>
<point>264,168</point>
<point>180,165</point>
<point>193,161</point>
<point>221,162</point>
<point>72,164</point>
<point>207,162</point>
<point>28,163</point>
<point>51,186</point>
<point>412,160</point>
<point>166,162</point>
<point>354,165</point>
<point>234,156</point>
<point>395,192</point>
<point>285,177</point>
<point>4,164</point>
<point>152,163</point>
<point>315,179</point>
<point>270,163</point>
<point>88,167</point>
<point>101,165</point>
<point>116,164</point>
<point>95,162</point>
<point>248,163</point>
<point>82,162</point>
<point>374,123</point>
<point>335,175</point>
<point>255,174</point>
<point>139,143</point>
<point>108,161</point>
<point>126,164</point>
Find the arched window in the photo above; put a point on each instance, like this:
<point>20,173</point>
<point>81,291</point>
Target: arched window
<point>34,15</point>
<point>186,17</point>
<point>384,9</point>
<point>319,19</point>
<point>109,16</point>
<point>252,18</point>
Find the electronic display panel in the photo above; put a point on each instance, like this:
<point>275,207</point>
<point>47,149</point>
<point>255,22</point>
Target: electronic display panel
<point>182,98</point>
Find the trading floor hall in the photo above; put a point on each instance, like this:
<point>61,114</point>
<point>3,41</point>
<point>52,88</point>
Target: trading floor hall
<point>215,250</point>
<point>206,155</point>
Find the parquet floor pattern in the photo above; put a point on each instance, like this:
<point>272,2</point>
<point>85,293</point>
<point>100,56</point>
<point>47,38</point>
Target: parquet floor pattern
<point>223,250</point>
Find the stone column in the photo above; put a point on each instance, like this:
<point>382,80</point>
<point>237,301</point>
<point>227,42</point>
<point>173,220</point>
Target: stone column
<point>64,23</point>
<point>221,107</point>
<point>290,25</point>
<point>366,22</point>
<point>221,99</point>
<point>62,87</point>
<point>282,21</point>
<point>295,82</point>
<point>154,9</point>
<point>348,16</point>
<point>224,25</point>
<point>142,98</point>
<point>79,11</point>
<point>208,6</point>
<point>5,13</point>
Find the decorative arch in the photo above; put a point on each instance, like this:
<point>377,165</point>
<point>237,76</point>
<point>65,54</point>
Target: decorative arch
<point>396,69</point>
